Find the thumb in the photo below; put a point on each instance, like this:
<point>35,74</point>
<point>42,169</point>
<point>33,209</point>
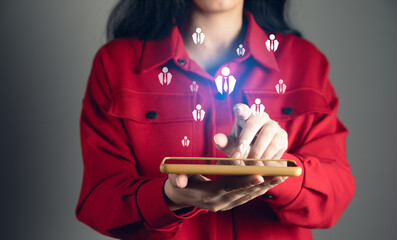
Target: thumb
<point>178,180</point>
<point>224,143</point>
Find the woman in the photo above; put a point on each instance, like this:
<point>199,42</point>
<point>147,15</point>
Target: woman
<point>179,74</point>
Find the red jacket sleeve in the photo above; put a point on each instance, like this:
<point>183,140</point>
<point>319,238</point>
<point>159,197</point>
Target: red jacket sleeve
<point>318,197</point>
<point>115,200</point>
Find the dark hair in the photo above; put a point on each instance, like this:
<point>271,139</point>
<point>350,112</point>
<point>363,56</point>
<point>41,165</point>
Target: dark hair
<point>154,19</point>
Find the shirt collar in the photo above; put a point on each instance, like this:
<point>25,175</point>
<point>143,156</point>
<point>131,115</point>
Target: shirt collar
<point>157,53</point>
<point>255,44</point>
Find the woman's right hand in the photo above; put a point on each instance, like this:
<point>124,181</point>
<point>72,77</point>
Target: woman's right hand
<point>222,194</point>
<point>230,191</point>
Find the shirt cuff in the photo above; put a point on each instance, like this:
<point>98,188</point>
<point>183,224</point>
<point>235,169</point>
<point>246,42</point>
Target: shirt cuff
<point>153,208</point>
<point>287,191</point>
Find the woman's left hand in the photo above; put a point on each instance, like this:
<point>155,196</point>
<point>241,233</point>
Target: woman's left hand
<point>254,137</point>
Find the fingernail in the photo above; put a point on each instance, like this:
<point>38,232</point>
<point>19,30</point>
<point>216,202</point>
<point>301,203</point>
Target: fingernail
<point>178,184</point>
<point>216,143</point>
<point>239,110</point>
<point>257,181</point>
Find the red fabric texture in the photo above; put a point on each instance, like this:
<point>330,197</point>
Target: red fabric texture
<point>122,191</point>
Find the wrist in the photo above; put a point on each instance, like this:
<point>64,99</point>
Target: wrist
<point>169,194</point>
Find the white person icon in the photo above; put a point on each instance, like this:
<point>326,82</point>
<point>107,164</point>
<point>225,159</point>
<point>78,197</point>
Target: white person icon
<point>281,87</point>
<point>257,108</point>
<point>225,82</point>
<point>198,113</point>
<point>272,43</point>
<point>198,36</point>
<point>194,87</point>
<point>240,50</point>
<point>165,76</point>
<point>185,141</point>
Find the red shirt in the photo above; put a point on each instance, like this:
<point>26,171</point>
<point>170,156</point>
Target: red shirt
<point>132,117</point>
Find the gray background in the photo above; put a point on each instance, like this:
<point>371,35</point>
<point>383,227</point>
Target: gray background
<point>46,50</point>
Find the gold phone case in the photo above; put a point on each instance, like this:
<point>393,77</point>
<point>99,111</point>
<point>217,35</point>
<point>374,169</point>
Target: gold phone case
<point>181,168</point>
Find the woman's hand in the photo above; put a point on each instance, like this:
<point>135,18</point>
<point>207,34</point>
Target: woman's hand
<point>222,194</point>
<point>251,137</point>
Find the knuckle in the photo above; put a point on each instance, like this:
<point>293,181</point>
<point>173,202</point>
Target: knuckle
<point>226,198</point>
<point>251,196</point>
<point>205,200</point>
<point>213,208</point>
<point>255,153</point>
<point>250,124</point>
<point>226,209</point>
<point>248,197</point>
<point>263,191</point>
<point>268,130</point>
<point>265,116</point>
<point>276,145</point>
<point>283,133</point>
<point>225,189</point>
<point>272,124</point>
<point>242,193</point>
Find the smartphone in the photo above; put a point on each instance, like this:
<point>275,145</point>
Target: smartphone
<point>202,165</point>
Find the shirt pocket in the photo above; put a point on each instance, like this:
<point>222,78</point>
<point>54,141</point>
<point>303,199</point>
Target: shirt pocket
<point>292,104</point>
<point>156,124</point>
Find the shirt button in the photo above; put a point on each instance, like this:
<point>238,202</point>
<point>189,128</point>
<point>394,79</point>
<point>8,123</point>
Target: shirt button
<point>181,61</point>
<point>151,115</point>
<point>268,196</point>
<point>287,111</point>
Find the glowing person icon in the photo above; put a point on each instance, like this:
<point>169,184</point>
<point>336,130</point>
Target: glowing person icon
<point>198,113</point>
<point>198,36</point>
<point>257,109</point>
<point>272,43</point>
<point>165,76</point>
<point>245,147</point>
<point>240,50</point>
<point>194,87</point>
<point>185,142</point>
<point>281,87</point>
<point>225,83</point>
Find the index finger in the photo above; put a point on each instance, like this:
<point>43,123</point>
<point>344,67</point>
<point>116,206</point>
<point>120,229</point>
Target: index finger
<point>242,113</point>
<point>249,131</point>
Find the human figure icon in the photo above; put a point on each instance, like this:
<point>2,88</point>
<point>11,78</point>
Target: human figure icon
<point>185,142</point>
<point>257,108</point>
<point>272,43</point>
<point>198,113</point>
<point>244,147</point>
<point>198,36</point>
<point>165,76</point>
<point>226,82</point>
<point>194,87</point>
<point>240,50</point>
<point>281,87</point>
